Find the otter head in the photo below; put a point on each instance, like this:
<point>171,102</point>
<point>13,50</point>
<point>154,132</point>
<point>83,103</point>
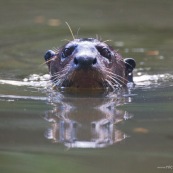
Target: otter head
<point>89,63</point>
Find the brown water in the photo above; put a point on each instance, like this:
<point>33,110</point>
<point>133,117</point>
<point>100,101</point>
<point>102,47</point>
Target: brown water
<point>46,131</point>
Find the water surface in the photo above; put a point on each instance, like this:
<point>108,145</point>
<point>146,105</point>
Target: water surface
<point>46,131</point>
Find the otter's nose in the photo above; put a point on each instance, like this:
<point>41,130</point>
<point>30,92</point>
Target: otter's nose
<point>85,61</point>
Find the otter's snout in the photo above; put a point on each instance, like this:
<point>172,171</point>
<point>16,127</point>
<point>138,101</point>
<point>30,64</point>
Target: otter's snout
<point>84,61</point>
<point>85,56</point>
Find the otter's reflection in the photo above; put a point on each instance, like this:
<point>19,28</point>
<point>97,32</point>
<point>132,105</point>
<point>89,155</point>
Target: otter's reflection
<point>86,122</point>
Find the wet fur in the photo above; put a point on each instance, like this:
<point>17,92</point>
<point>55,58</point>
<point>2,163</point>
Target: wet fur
<point>107,73</point>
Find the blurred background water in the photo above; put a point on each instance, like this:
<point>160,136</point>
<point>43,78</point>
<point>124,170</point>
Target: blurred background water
<point>43,131</point>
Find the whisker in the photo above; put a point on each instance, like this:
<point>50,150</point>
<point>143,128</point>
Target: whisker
<point>115,79</point>
<point>110,84</point>
<point>66,40</point>
<point>97,37</point>
<point>120,81</point>
<point>107,41</point>
<point>56,50</point>
<point>116,75</point>
<point>70,30</point>
<point>46,62</point>
<point>61,76</point>
<point>62,71</point>
<point>78,32</point>
<point>100,38</point>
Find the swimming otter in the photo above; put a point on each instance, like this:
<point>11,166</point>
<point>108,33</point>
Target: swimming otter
<point>89,63</point>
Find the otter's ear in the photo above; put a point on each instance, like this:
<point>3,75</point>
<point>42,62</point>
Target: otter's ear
<point>130,65</point>
<point>48,55</point>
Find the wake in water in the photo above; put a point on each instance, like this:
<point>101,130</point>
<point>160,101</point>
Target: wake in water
<point>43,81</point>
<point>33,80</point>
<point>36,81</point>
<point>158,80</point>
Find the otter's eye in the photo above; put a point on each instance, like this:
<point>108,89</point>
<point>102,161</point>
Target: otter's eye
<point>67,52</point>
<point>105,52</point>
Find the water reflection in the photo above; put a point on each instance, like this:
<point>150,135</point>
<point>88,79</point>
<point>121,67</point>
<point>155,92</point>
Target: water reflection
<point>86,122</point>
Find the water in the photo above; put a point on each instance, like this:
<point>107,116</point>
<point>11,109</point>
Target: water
<point>46,131</point>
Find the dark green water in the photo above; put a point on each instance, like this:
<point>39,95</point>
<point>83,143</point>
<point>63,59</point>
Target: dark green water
<point>44,133</point>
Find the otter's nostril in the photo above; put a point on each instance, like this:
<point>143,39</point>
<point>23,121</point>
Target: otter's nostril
<point>76,61</point>
<point>84,61</point>
<point>94,61</point>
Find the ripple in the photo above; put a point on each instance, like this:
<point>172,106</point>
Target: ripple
<point>157,80</point>
<point>43,81</point>
<point>34,80</point>
<point>22,97</point>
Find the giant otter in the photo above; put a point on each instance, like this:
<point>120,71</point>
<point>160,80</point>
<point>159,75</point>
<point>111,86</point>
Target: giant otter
<point>89,63</point>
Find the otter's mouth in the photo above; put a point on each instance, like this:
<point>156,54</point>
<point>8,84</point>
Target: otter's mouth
<point>84,79</point>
